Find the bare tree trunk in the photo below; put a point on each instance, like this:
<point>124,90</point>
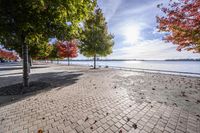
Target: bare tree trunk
<point>95,61</point>
<point>30,60</point>
<point>25,66</point>
<point>68,60</point>
<point>30,63</point>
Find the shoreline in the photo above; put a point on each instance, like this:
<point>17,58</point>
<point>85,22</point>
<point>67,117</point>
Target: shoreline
<point>154,71</point>
<point>187,74</point>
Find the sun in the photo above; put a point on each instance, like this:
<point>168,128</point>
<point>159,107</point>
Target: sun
<point>131,34</point>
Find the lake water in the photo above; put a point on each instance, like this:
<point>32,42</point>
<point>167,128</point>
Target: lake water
<point>187,67</point>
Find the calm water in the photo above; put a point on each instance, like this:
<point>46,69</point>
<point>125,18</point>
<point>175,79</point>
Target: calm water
<point>174,66</point>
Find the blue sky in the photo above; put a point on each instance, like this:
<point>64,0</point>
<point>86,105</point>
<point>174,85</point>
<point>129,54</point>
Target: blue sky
<point>133,23</point>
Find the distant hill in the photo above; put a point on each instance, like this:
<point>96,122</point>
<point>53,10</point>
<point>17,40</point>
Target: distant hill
<point>182,60</point>
<point>136,60</point>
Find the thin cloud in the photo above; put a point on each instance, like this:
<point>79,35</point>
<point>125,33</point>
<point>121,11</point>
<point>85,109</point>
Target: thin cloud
<point>138,10</point>
<point>151,49</point>
<point>109,7</point>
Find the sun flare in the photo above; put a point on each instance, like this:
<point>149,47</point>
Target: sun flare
<point>131,34</point>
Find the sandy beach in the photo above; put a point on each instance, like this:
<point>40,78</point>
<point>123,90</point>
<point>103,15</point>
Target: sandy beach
<point>79,99</point>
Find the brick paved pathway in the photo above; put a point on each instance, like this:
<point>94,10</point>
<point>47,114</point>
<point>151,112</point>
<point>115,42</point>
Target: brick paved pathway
<point>93,105</point>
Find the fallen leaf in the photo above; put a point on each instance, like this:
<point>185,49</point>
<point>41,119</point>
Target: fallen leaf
<point>86,118</point>
<point>175,104</point>
<point>128,119</point>
<point>2,119</point>
<point>95,121</point>
<point>135,126</point>
<point>40,131</point>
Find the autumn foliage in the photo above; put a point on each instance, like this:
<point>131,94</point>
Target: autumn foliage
<point>8,55</point>
<point>182,23</point>
<point>67,49</point>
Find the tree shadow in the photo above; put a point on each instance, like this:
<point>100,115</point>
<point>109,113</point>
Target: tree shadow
<point>7,74</point>
<point>38,83</point>
<point>20,68</point>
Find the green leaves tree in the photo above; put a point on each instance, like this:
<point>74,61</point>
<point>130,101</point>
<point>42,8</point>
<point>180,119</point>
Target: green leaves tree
<point>41,51</point>
<point>95,40</point>
<point>27,22</point>
<point>54,53</point>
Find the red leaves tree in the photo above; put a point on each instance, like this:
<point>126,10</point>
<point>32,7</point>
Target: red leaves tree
<point>8,55</point>
<point>67,49</point>
<point>182,23</point>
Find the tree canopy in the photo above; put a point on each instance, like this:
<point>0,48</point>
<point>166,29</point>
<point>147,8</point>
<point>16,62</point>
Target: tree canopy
<point>95,40</point>
<point>27,22</point>
<point>67,49</point>
<point>54,52</point>
<point>40,51</point>
<point>37,20</point>
<point>182,23</point>
<point>8,55</point>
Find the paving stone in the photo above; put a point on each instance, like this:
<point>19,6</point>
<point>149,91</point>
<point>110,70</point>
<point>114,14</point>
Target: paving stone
<point>110,123</point>
<point>118,124</point>
<point>143,131</point>
<point>156,130</point>
<point>87,130</point>
<point>105,126</point>
<point>109,131</point>
<point>79,128</point>
<point>134,131</point>
<point>147,129</point>
<point>100,130</point>
<point>126,127</point>
<point>114,128</point>
<point>169,130</point>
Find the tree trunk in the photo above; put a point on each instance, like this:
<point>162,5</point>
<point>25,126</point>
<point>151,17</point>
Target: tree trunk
<point>95,61</point>
<point>30,63</point>
<point>25,66</point>
<point>68,60</point>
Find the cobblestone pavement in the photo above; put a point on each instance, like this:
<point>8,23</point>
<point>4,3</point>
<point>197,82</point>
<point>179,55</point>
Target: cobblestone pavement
<point>93,105</point>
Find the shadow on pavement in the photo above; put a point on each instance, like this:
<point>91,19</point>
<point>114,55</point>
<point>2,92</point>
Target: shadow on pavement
<point>40,83</point>
<point>18,68</point>
<point>10,74</point>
